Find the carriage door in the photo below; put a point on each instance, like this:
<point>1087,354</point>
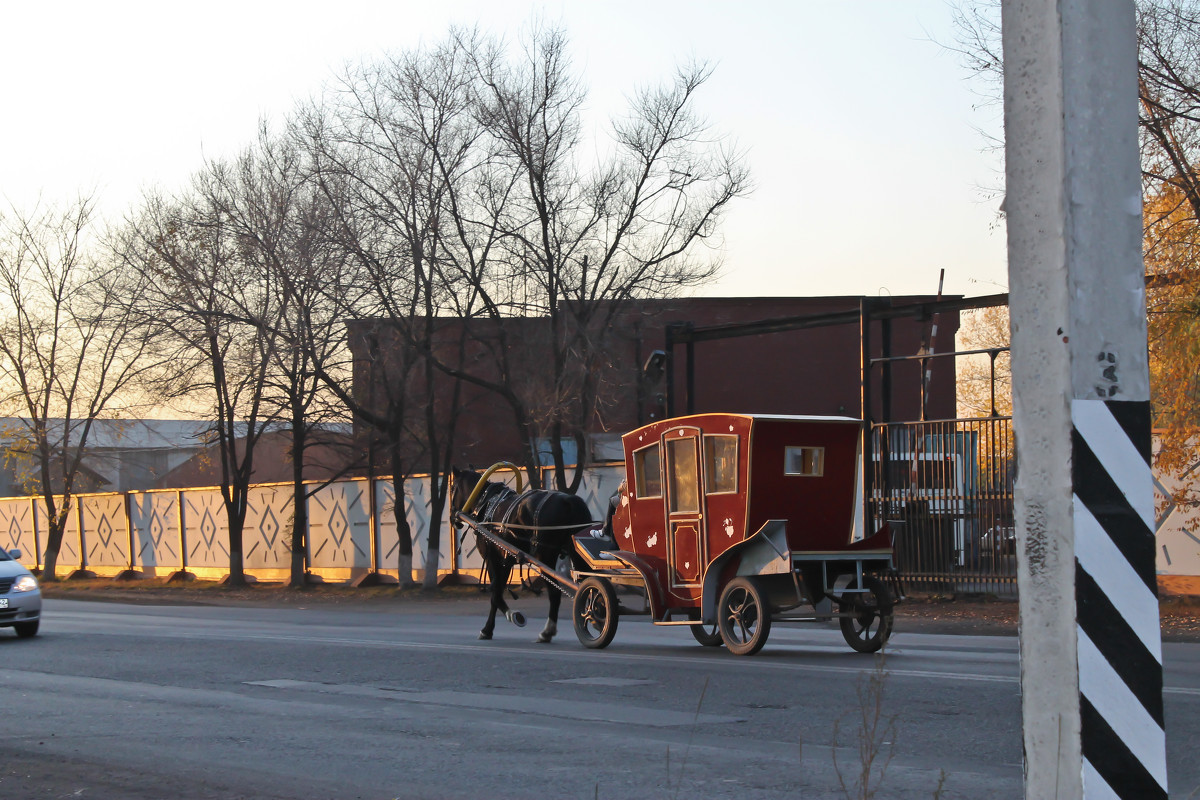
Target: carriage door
<point>685,520</point>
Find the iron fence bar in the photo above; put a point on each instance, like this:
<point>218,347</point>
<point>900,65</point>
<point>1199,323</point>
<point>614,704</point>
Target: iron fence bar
<point>949,354</point>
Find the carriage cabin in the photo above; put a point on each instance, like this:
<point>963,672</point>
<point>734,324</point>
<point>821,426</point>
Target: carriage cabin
<point>698,485</point>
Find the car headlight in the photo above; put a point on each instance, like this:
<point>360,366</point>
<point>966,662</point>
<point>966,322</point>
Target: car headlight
<point>25,583</point>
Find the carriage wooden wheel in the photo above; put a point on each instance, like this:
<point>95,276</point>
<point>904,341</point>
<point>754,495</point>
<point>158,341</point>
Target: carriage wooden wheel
<point>707,635</point>
<point>868,621</point>
<point>595,613</point>
<point>744,618</point>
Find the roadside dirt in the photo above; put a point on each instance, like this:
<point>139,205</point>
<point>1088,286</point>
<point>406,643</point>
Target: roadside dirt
<point>975,615</point>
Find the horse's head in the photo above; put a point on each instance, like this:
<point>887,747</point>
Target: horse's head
<point>462,483</point>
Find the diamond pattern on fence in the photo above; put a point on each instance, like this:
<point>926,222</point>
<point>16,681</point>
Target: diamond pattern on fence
<point>16,529</point>
<point>105,531</point>
<point>416,511</point>
<point>339,526</point>
<point>154,517</point>
<point>268,528</point>
<point>205,528</point>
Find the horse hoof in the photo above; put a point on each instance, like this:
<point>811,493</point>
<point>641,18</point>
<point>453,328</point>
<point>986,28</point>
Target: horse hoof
<point>516,618</point>
<point>543,639</point>
<point>484,635</point>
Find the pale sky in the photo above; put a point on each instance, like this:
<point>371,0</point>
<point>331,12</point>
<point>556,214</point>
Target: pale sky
<point>861,129</point>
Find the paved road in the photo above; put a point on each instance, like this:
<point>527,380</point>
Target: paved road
<point>131,702</point>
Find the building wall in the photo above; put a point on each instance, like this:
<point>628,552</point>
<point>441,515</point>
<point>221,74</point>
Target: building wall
<point>812,371</point>
<point>809,371</point>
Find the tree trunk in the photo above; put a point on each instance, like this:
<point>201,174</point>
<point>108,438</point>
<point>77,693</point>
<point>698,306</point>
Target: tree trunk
<point>403,531</point>
<point>49,563</point>
<point>433,556</point>
<point>54,538</point>
<point>299,543</point>
<point>299,548</point>
<point>237,561</point>
<point>430,581</point>
<point>405,563</point>
<point>237,571</point>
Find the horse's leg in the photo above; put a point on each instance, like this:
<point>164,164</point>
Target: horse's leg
<point>562,563</point>
<point>551,628</point>
<point>497,569</point>
<point>502,569</point>
<point>512,615</point>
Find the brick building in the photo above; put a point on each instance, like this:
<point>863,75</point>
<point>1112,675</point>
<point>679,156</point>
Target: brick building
<point>810,370</point>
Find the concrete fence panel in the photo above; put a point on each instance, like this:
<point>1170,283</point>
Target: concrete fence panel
<point>417,514</point>
<point>70,555</point>
<point>105,533</point>
<point>17,529</point>
<point>267,533</point>
<point>154,518</point>
<point>205,531</point>
<point>1177,524</point>
<point>339,526</point>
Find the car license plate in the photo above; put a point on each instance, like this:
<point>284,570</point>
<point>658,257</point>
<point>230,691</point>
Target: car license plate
<point>3,602</point>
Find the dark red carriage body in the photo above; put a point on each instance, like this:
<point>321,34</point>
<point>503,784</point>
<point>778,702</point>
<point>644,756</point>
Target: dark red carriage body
<point>727,522</point>
<point>698,485</point>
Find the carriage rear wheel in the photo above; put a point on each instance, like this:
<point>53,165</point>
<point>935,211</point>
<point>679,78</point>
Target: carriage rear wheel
<point>707,635</point>
<point>869,621</point>
<point>595,613</point>
<point>743,617</point>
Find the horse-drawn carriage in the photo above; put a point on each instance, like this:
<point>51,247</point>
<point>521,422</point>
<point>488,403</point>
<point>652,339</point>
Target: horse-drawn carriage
<point>724,523</point>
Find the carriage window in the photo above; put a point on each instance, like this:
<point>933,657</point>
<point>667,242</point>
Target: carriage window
<point>647,472</point>
<point>808,461</point>
<point>684,477</point>
<point>720,464</point>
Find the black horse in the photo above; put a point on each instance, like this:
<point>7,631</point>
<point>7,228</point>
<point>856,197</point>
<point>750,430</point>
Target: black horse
<point>539,522</point>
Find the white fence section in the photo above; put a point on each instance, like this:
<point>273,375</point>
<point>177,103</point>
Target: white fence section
<point>351,530</point>
<point>1177,528</point>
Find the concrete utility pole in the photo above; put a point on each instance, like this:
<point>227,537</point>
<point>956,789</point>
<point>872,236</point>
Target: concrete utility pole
<point>1091,663</point>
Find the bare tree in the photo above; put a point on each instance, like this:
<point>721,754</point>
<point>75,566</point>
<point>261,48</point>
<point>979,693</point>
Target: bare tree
<point>462,197</point>
<point>70,350</point>
<point>580,242</point>
<point>281,220</point>
<point>205,286</point>
<point>390,144</point>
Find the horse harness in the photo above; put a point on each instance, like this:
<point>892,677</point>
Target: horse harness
<point>491,501</point>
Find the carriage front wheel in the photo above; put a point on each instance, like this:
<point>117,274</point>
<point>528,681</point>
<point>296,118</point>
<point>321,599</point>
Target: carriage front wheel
<point>707,635</point>
<point>867,623</point>
<point>595,613</point>
<point>743,617</point>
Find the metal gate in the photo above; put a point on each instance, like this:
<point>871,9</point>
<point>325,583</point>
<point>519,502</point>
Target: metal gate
<point>947,489</point>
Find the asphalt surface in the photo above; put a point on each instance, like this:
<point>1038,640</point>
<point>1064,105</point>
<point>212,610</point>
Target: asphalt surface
<point>388,696</point>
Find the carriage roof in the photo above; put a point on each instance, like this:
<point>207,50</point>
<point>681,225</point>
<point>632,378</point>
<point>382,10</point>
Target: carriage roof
<point>708,421</point>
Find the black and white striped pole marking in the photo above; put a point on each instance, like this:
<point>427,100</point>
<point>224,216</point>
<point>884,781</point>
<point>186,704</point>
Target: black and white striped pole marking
<point>1091,664</point>
<point>1119,644</point>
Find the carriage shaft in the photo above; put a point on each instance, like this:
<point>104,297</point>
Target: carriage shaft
<point>564,582</point>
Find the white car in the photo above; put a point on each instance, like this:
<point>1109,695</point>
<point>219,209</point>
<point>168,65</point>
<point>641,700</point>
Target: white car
<point>20,597</point>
